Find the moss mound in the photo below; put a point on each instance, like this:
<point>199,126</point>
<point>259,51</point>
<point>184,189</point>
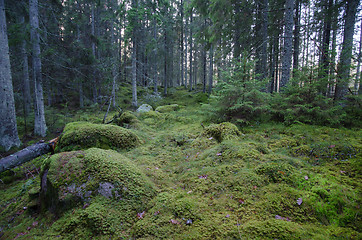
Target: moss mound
<point>127,119</point>
<point>80,135</point>
<point>222,131</point>
<point>71,177</point>
<point>167,108</point>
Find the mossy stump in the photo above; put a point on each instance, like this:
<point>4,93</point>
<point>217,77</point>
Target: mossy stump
<point>82,135</point>
<point>72,177</point>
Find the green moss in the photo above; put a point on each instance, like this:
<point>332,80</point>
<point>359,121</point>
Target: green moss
<point>80,135</point>
<point>167,108</point>
<point>80,175</point>
<point>127,119</point>
<point>277,171</point>
<point>222,131</point>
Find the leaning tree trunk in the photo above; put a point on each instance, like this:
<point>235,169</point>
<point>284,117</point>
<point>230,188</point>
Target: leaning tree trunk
<point>39,122</point>
<point>8,128</point>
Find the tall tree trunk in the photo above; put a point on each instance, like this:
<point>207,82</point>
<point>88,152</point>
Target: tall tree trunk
<point>186,44</point>
<point>264,46</point>
<point>357,83</point>
<point>39,122</point>
<point>204,69</point>
<point>165,74</point>
<point>8,128</point>
<point>211,68</point>
<point>134,74</point>
<point>114,49</point>
<point>26,81</point>
<point>93,25</point>
<point>182,42</point>
<point>155,74</point>
<point>346,54</point>
<point>296,36</point>
<point>261,39</point>
<point>190,80</point>
<point>288,42</point>
<point>326,36</point>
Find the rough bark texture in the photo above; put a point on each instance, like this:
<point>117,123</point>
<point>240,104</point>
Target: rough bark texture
<point>39,122</point>
<point>346,54</point>
<point>24,155</point>
<point>288,42</point>
<point>8,128</point>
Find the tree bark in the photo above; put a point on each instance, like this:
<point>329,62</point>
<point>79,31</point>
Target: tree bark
<point>357,83</point>
<point>134,75</point>
<point>39,122</point>
<point>288,42</point>
<point>211,68</point>
<point>296,36</point>
<point>8,127</point>
<point>24,155</point>
<point>346,54</point>
<point>182,42</point>
<point>190,80</point>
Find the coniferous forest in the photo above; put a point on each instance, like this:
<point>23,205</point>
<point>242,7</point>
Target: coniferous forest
<point>180,119</point>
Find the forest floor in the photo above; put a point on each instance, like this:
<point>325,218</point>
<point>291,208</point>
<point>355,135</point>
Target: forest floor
<point>264,181</point>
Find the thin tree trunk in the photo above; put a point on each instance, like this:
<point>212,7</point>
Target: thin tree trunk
<point>165,74</point>
<point>39,122</point>
<point>190,80</point>
<point>155,74</point>
<point>186,44</point>
<point>115,64</point>
<point>211,68</point>
<point>94,87</point>
<point>182,42</point>
<point>357,83</point>
<point>26,81</point>
<point>8,127</point>
<point>134,76</point>
<point>288,42</point>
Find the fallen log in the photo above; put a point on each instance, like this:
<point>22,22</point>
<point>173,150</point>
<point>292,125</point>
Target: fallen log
<point>27,154</point>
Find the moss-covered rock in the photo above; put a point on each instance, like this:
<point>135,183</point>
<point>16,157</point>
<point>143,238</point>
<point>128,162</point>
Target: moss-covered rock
<point>70,177</point>
<point>167,108</point>
<point>222,131</point>
<point>81,135</point>
<point>144,108</point>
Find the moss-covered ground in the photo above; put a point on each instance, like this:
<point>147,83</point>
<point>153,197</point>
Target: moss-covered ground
<point>211,181</point>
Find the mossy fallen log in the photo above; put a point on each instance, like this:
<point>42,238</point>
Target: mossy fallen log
<point>26,154</point>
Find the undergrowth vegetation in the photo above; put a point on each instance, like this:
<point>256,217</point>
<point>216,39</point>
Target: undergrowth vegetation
<point>203,179</point>
<point>243,98</point>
